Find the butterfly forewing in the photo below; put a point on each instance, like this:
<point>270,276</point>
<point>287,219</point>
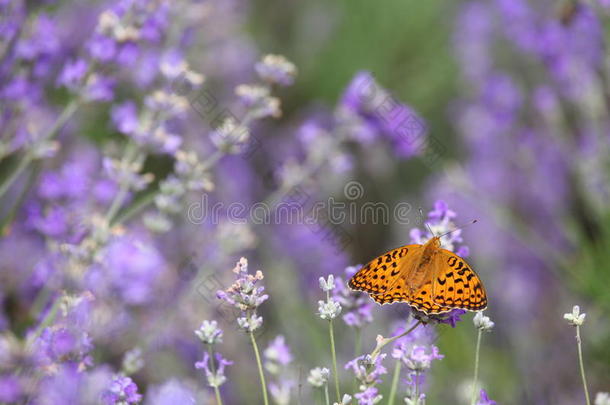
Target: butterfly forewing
<point>384,272</point>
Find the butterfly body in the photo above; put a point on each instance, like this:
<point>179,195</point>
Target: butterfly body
<point>429,278</point>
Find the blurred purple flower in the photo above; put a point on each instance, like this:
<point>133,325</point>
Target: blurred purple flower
<point>122,391</point>
<point>131,267</point>
<point>73,74</point>
<point>99,88</point>
<point>172,392</point>
<point>452,317</point>
<point>367,370</point>
<point>276,69</point>
<point>278,352</point>
<point>70,386</point>
<point>102,48</point>
<point>125,117</point>
<point>357,308</point>
<point>381,113</point>
<point>369,396</point>
<point>484,399</point>
<point>10,389</point>
<point>280,391</point>
<point>60,344</point>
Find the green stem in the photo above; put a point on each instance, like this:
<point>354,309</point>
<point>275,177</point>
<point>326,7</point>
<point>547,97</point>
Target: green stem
<point>7,221</point>
<point>326,396</point>
<point>417,387</point>
<point>476,368</point>
<point>48,320</point>
<point>395,379</point>
<point>29,157</point>
<point>357,351</point>
<point>582,367</point>
<point>260,369</point>
<point>128,159</point>
<point>334,356</point>
<point>213,367</point>
<point>138,205</point>
<point>358,343</point>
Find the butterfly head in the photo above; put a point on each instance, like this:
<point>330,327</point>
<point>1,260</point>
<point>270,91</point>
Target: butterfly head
<point>433,244</point>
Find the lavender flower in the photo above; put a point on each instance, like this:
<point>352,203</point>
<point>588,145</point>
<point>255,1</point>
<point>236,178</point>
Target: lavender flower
<point>330,308</point>
<point>122,390</point>
<point>368,111</point>
<point>281,391</point>
<point>209,333</point>
<point>346,400</point>
<point>420,358</point>
<point>171,392</point>
<point>10,389</point>
<point>277,360</point>
<point>482,322</point>
<point>575,318</point>
<point>357,308</point>
<point>245,296</point>
<point>59,344</point>
<point>484,399</point>
<point>368,372</point>
<point>276,69</point>
<point>416,352</point>
<point>277,355</point>
<point>318,377</point>
<point>132,361</point>
<point>215,374</point>
<point>369,396</point>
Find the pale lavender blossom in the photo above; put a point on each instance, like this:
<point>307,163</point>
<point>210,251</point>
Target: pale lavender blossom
<point>276,69</point>
<point>217,377</point>
<point>318,377</point>
<point>368,372</point>
<point>209,333</point>
<point>245,296</point>
<point>277,355</point>
<point>369,396</point>
<point>172,392</point>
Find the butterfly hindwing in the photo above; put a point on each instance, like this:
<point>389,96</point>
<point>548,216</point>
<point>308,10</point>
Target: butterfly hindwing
<point>455,284</point>
<point>382,273</point>
<point>422,300</point>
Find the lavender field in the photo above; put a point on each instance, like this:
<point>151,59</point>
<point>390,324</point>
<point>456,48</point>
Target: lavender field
<point>187,188</point>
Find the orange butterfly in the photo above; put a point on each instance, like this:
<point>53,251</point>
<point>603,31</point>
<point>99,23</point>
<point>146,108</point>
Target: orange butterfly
<point>429,278</point>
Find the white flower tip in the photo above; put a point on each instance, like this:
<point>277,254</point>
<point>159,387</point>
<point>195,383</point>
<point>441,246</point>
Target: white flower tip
<point>575,318</point>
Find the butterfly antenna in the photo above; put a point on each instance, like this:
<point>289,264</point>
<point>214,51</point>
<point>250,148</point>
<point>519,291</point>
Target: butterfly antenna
<point>474,221</point>
<point>423,220</point>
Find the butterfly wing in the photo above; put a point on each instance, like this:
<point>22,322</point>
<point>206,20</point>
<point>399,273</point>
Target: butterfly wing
<point>386,272</point>
<point>455,284</point>
<point>423,301</point>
